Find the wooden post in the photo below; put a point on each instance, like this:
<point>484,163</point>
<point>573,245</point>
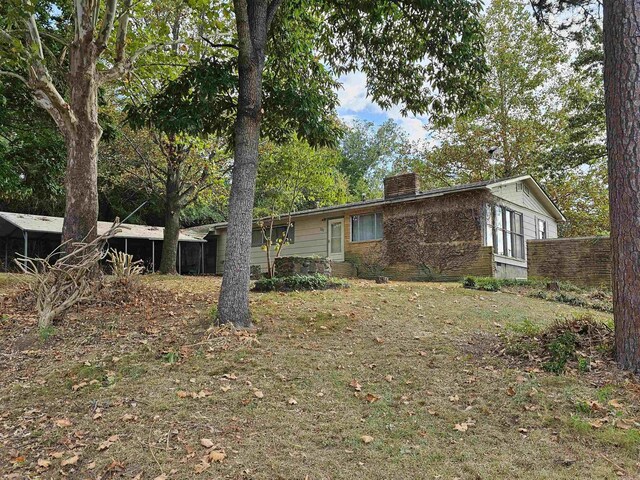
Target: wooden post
<point>126,246</point>
<point>153,256</point>
<point>26,248</point>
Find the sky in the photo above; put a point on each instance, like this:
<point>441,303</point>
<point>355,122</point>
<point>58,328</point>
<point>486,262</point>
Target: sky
<point>354,104</point>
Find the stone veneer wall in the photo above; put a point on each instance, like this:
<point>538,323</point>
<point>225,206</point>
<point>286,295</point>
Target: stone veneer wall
<point>583,261</point>
<point>287,266</point>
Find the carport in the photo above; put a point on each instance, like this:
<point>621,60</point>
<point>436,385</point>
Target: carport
<point>38,235</point>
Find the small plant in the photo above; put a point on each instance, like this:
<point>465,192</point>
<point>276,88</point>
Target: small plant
<point>583,407</point>
<point>46,332</point>
<point>123,266</point>
<point>562,349</point>
<point>213,312</point>
<point>584,365</point>
<point>171,357</point>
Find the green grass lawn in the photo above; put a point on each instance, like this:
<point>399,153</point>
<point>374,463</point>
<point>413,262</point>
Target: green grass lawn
<point>395,381</point>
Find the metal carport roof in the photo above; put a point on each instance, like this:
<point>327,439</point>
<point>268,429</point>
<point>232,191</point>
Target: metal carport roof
<point>44,224</point>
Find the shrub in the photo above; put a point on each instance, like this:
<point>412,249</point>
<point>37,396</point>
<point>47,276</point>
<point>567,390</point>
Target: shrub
<point>469,282</point>
<point>562,349</point>
<point>314,281</point>
<point>488,284</point>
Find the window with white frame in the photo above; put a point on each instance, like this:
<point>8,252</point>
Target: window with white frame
<point>542,229</point>
<point>366,227</point>
<point>508,233</point>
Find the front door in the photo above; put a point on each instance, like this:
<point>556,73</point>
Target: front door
<point>336,240</point>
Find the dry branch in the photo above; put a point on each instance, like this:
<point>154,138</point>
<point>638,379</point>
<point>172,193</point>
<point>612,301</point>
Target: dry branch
<point>65,277</point>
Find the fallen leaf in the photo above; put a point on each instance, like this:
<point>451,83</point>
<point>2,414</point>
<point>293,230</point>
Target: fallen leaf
<point>182,394</point>
<point>258,394</point>
<point>108,442</point>
<point>292,401</point>
<point>70,461</point>
<point>366,438</point>
<point>216,456</point>
<point>625,424</point>
<point>206,442</point>
<point>461,427</point>
<point>355,385</point>
<point>511,391</point>
<point>597,423</point>
<point>63,422</point>
<point>454,398</point>
<point>225,388</point>
<point>615,403</point>
<point>389,378</point>
<point>372,398</point>
<point>44,463</point>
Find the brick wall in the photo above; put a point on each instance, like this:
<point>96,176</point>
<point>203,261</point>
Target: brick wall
<point>583,261</point>
<point>401,185</point>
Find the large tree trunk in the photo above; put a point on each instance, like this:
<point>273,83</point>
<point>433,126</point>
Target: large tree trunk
<point>171,221</point>
<point>252,20</point>
<point>81,179</point>
<point>622,98</point>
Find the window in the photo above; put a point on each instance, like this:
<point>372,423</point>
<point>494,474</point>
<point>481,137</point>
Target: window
<point>366,227</point>
<point>508,232</point>
<point>542,229</point>
<point>488,231</point>
<point>521,187</point>
<point>257,237</point>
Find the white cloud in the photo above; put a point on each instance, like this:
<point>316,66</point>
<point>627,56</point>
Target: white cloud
<point>353,94</point>
<point>354,104</point>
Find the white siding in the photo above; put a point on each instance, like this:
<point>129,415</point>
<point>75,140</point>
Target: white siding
<point>310,239</point>
<point>531,210</point>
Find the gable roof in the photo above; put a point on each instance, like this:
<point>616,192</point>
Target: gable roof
<point>202,230</point>
<point>540,193</point>
<point>44,224</point>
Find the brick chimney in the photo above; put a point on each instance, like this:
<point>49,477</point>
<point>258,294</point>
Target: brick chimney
<point>404,185</point>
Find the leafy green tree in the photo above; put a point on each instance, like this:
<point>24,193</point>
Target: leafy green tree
<point>64,53</point>
<point>428,56</point>
<point>292,177</point>
<point>370,154</point>
<point>521,116</point>
<point>32,155</point>
<point>544,117</point>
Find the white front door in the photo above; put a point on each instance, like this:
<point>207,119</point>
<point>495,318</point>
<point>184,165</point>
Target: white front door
<point>335,240</point>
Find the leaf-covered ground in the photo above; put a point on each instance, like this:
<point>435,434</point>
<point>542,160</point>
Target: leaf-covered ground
<point>391,381</point>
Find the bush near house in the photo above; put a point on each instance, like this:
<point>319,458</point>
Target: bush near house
<point>315,281</point>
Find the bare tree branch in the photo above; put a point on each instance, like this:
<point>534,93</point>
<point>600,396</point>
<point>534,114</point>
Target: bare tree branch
<point>15,75</point>
<point>219,45</point>
<point>107,25</point>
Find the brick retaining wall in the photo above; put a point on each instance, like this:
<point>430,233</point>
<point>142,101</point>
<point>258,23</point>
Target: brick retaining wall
<point>583,261</point>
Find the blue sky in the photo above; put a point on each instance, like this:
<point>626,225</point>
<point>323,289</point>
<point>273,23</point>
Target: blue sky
<point>354,104</point>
